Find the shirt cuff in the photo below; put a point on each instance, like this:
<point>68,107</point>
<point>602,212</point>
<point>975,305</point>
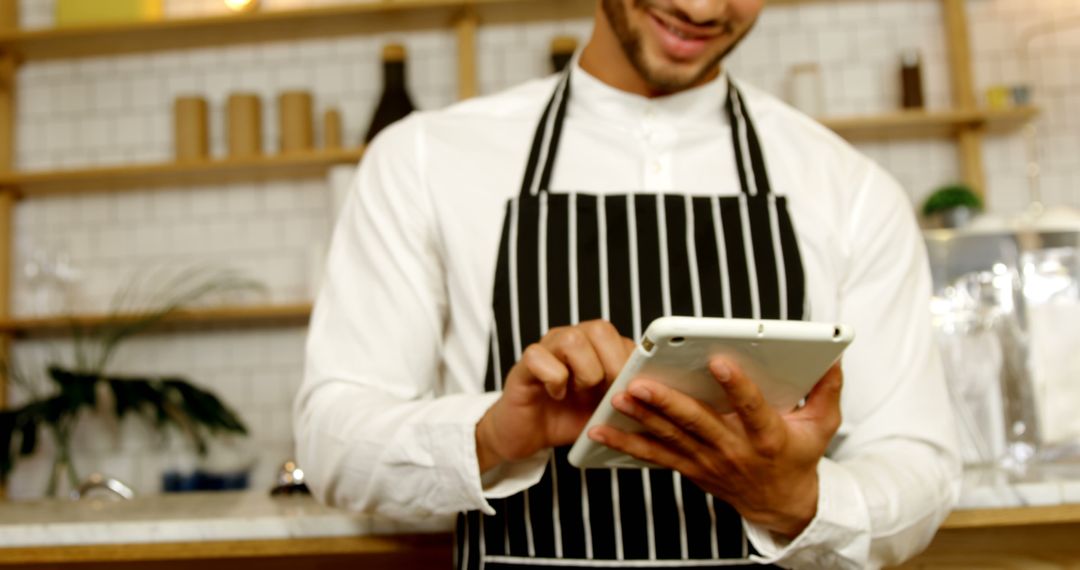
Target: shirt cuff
<point>454,452</point>
<point>837,537</point>
<point>512,478</point>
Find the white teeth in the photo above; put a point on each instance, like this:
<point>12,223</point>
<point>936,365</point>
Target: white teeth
<point>677,32</point>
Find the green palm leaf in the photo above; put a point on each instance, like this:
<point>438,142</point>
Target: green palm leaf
<point>163,402</point>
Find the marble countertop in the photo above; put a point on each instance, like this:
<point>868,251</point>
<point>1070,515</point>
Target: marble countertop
<point>190,517</point>
<point>198,517</point>
<point>1038,486</point>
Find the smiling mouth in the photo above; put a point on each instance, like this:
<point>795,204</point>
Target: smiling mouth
<point>685,31</point>
<point>681,41</point>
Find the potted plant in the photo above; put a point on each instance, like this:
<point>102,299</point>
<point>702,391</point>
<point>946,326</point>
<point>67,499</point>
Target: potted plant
<point>951,206</point>
<point>86,385</point>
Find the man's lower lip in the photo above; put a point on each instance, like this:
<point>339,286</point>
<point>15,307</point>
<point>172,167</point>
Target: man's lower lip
<point>677,47</point>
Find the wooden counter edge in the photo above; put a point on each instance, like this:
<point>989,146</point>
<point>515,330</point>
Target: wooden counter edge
<point>159,551</point>
<point>1018,516</point>
<point>360,546</point>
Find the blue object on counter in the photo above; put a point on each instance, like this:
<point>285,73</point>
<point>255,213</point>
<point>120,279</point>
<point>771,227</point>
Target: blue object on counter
<point>174,482</point>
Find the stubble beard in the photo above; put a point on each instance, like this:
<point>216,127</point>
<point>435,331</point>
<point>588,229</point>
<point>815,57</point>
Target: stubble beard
<point>657,79</point>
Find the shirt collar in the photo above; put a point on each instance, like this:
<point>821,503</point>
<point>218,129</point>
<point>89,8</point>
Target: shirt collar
<point>592,97</point>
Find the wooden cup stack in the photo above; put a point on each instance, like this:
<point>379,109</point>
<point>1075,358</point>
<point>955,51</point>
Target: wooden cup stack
<point>294,119</point>
<point>332,138</point>
<point>190,129</point>
<point>245,125</point>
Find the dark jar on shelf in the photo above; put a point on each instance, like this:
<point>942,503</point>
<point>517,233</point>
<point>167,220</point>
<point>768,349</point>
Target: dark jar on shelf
<point>911,80</point>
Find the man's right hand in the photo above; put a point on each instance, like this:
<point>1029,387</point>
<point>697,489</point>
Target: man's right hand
<point>549,395</point>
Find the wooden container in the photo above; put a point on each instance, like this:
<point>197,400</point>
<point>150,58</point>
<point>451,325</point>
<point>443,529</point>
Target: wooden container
<point>295,121</point>
<point>245,125</point>
<point>332,129</point>
<point>192,141</point>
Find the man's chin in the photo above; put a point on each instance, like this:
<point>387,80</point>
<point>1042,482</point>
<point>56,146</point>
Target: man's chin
<point>669,76</point>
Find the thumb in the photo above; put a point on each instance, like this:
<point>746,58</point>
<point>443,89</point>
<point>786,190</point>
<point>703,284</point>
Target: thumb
<point>823,402</point>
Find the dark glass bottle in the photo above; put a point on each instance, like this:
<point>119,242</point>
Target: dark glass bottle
<point>395,102</point>
<point>562,51</point>
<point>911,80</point>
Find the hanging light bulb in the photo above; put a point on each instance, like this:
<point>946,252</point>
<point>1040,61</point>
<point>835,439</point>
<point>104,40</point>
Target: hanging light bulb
<point>241,5</point>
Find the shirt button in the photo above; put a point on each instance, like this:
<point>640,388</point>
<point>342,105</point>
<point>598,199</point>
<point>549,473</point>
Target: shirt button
<point>650,112</point>
<point>655,166</point>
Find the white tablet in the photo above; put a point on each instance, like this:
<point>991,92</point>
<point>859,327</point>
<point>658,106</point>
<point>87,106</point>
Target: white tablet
<point>784,358</point>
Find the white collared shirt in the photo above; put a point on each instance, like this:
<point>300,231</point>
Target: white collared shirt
<point>398,342</point>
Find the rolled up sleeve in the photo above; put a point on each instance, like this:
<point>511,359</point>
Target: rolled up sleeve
<point>375,429</point>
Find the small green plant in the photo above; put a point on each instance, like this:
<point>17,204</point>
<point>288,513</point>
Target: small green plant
<point>87,386</point>
<point>949,197</point>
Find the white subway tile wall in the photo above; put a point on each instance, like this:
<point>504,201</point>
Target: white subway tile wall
<point>118,110</point>
<point>1035,43</point>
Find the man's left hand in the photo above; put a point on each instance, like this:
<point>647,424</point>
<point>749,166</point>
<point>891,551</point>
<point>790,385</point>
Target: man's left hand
<point>761,462</point>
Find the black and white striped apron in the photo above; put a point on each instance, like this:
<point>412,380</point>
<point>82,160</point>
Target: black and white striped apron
<point>628,258</point>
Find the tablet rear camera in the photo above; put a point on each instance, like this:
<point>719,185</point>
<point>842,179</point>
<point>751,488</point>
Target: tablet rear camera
<point>677,341</point>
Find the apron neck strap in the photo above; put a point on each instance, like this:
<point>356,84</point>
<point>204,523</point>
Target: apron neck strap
<point>549,131</point>
<point>747,146</point>
<point>749,159</point>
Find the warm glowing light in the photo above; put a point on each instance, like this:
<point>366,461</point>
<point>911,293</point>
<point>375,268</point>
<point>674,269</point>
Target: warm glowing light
<point>241,5</point>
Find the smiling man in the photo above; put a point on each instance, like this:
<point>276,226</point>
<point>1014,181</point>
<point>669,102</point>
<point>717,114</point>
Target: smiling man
<point>496,258</point>
<point>669,46</point>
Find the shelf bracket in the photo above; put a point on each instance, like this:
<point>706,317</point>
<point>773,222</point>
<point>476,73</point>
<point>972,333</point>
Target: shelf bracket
<point>969,137</point>
<point>466,27</point>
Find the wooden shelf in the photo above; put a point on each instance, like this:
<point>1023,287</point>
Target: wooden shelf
<point>912,124</point>
<point>296,165</point>
<point>272,25</point>
<point>218,317</point>
<point>929,124</point>
<point>278,25</point>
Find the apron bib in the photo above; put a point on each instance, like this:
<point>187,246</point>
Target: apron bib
<point>628,258</point>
